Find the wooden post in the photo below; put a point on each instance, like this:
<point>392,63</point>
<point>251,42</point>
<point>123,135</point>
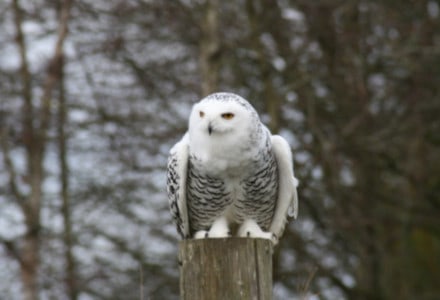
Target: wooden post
<point>225,269</point>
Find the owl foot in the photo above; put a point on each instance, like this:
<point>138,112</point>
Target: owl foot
<point>250,229</point>
<point>201,234</point>
<point>219,229</point>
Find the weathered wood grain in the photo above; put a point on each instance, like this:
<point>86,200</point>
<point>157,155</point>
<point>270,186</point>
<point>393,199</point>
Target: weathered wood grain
<point>229,268</point>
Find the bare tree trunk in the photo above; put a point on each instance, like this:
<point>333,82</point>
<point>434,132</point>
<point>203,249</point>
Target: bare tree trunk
<point>210,48</point>
<point>29,258</point>
<point>35,127</point>
<point>62,148</point>
<point>270,96</point>
<point>29,266</point>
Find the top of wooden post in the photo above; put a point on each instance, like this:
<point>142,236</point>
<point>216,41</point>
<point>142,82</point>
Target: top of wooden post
<point>225,268</point>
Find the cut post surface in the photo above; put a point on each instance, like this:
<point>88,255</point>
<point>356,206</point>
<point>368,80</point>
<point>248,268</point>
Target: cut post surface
<point>226,268</point>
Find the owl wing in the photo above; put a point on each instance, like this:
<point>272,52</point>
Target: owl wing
<point>287,194</point>
<point>176,184</point>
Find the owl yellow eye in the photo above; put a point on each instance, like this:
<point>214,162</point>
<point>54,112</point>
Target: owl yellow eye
<point>201,114</point>
<point>227,116</point>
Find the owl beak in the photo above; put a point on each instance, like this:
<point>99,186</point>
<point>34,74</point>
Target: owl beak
<point>209,128</point>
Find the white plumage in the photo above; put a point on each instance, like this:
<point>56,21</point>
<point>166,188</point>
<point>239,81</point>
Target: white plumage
<point>228,175</point>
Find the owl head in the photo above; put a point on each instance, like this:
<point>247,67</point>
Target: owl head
<point>222,114</point>
<point>223,122</point>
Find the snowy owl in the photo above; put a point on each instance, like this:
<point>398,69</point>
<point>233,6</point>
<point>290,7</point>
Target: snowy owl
<point>228,175</point>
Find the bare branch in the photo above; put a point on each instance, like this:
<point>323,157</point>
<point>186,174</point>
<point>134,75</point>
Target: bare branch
<point>11,249</point>
<point>10,168</point>
<point>28,130</point>
<point>55,66</point>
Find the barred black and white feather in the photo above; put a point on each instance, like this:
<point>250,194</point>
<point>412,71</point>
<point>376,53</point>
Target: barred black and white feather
<point>228,169</point>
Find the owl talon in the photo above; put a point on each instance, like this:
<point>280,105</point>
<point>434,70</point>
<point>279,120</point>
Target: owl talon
<point>220,228</point>
<point>201,234</point>
<point>250,229</point>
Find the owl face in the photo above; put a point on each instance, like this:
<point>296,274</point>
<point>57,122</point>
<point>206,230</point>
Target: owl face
<point>223,131</point>
<point>219,118</point>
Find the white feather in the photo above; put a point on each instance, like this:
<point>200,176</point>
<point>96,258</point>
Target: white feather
<point>181,151</point>
<point>287,193</point>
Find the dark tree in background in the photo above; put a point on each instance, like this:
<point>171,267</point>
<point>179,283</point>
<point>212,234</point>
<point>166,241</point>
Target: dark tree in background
<point>94,93</point>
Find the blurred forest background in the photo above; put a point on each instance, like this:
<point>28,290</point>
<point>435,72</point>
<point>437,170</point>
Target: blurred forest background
<point>95,92</point>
